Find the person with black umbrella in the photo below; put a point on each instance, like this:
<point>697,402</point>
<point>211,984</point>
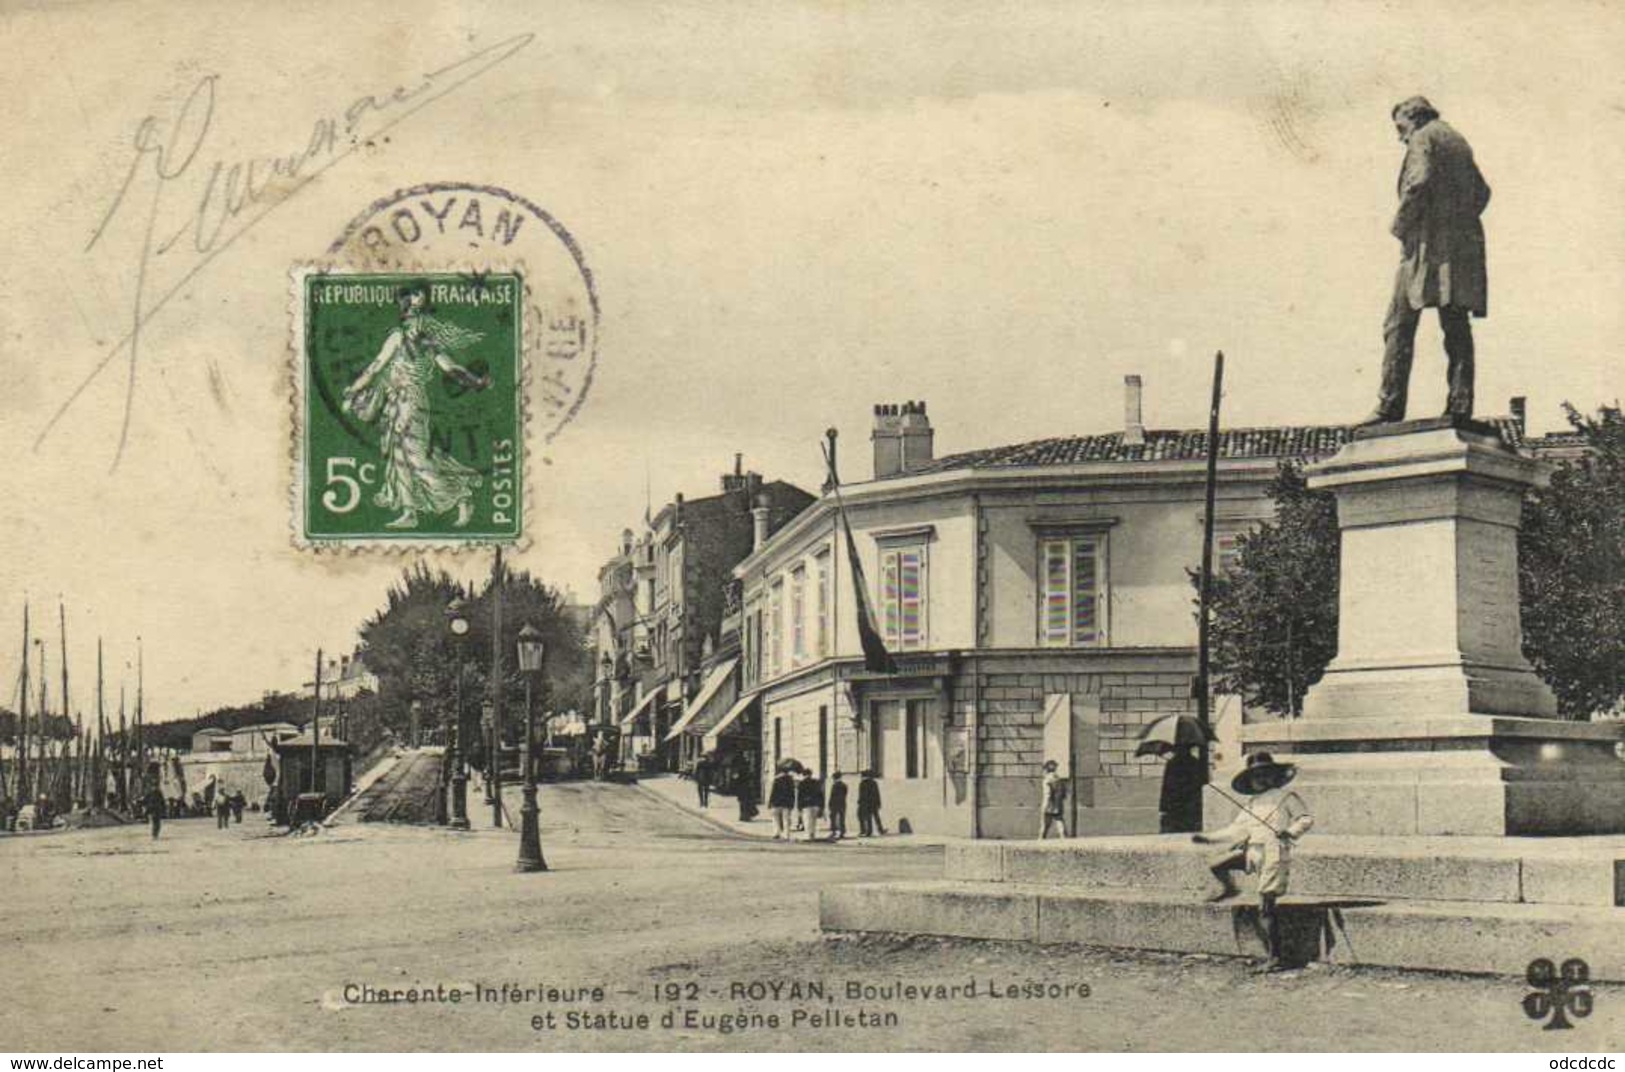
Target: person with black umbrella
<point>1259,840</point>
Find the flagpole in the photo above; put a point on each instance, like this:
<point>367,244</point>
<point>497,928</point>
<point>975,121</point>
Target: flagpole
<point>832,620</point>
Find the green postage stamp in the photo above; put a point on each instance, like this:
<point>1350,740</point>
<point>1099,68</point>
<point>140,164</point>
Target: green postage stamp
<point>409,407</point>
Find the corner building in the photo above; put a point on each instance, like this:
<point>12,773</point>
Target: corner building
<point>1037,601</point>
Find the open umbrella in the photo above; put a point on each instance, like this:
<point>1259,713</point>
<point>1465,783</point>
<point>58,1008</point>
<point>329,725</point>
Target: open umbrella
<point>1163,735</point>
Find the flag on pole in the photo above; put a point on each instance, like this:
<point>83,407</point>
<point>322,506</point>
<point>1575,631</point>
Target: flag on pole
<point>876,658</point>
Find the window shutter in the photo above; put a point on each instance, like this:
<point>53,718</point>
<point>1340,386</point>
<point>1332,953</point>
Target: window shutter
<point>911,597</point>
<point>1085,591</point>
<point>1055,628</point>
<point>889,598</point>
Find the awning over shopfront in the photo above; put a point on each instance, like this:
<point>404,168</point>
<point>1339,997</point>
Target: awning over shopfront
<point>640,710</point>
<point>707,694</point>
<point>715,734</point>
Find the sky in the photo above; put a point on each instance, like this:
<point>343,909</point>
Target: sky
<point>792,212</point>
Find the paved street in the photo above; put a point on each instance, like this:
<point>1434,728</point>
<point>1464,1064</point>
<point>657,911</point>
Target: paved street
<point>237,939</point>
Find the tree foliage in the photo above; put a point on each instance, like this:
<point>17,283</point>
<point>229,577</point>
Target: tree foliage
<point>409,644</point>
<point>1571,561</point>
<point>1274,612</point>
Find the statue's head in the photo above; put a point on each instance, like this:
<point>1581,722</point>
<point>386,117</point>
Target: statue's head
<point>1411,115</point>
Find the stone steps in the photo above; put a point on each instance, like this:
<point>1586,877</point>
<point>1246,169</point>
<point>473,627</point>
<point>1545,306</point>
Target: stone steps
<point>1569,871</point>
<point>1437,935</point>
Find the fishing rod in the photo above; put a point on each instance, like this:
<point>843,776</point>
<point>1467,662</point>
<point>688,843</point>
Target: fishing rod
<point>1263,819</point>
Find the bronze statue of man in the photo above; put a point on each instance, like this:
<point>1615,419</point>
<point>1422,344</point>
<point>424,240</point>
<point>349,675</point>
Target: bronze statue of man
<point>1441,196</point>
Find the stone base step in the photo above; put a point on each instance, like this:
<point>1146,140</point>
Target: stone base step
<point>1557,871</point>
<point>1472,937</point>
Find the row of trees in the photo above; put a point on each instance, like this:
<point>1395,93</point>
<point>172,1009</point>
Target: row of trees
<point>409,644</point>
<point>421,664</point>
<point>1274,626</point>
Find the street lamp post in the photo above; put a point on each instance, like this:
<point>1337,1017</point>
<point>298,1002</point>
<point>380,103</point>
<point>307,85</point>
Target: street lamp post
<point>532,655</point>
<point>457,622</point>
<point>488,733</point>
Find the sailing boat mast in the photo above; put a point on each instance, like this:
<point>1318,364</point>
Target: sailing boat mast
<point>98,775</point>
<point>73,751</point>
<point>140,709</point>
<point>42,772</point>
<point>22,718</point>
<point>123,749</point>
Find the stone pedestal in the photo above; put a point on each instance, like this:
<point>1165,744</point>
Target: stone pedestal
<point>1430,720</point>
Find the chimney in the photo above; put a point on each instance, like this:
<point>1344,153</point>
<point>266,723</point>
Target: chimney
<point>1520,414</point>
<point>626,541</point>
<point>734,481</point>
<point>917,437</point>
<point>888,440</point>
<point>1133,421</point>
<point>759,515</point>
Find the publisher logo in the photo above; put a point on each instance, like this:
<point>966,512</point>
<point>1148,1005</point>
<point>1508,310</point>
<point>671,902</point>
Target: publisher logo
<point>1558,993</point>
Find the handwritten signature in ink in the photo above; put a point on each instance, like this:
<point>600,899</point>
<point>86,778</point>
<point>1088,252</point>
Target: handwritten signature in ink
<point>236,196</point>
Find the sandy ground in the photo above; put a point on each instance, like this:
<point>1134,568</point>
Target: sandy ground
<point>670,933</point>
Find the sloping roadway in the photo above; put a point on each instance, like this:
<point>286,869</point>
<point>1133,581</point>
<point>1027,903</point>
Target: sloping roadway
<point>405,793</point>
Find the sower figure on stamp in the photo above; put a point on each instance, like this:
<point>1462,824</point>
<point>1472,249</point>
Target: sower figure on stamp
<point>1442,264</point>
<point>394,390</point>
<point>1259,840</point>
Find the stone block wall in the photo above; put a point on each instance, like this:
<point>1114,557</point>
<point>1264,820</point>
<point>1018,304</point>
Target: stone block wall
<point>1108,710</point>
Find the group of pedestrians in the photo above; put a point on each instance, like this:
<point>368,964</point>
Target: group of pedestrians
<point>798,802</point>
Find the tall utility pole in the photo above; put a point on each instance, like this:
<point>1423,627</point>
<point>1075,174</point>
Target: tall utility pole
<point>1204,691</point>
<point>316,722</point>
<point>498,582</point>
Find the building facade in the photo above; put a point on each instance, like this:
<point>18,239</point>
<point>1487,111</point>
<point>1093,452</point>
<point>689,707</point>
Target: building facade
<point>663,600</point>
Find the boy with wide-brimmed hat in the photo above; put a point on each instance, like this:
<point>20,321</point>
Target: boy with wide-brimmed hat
<point>1260,840</point>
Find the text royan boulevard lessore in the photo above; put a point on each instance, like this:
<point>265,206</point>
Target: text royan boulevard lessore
<point>723,1007</point>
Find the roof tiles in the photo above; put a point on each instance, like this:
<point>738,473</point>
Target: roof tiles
<point>1297,441</point>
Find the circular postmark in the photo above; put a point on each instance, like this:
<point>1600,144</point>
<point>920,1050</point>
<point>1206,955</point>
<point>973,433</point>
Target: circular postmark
<point>455,224</point>
<point>451,326</point>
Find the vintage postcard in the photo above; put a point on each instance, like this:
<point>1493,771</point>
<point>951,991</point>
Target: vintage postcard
<point>863,527</point>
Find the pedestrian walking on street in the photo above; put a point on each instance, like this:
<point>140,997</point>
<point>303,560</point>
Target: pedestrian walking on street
<point>1259,840</point>
<point>154,802</point>
<point>238,803</point>
<point>1054,799</point>
<point>837,807</point>
<point>781,800</point>
<point>703,770</point>
<point>810,802</point>
<point>222,811</point>
<point>869,822</point>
